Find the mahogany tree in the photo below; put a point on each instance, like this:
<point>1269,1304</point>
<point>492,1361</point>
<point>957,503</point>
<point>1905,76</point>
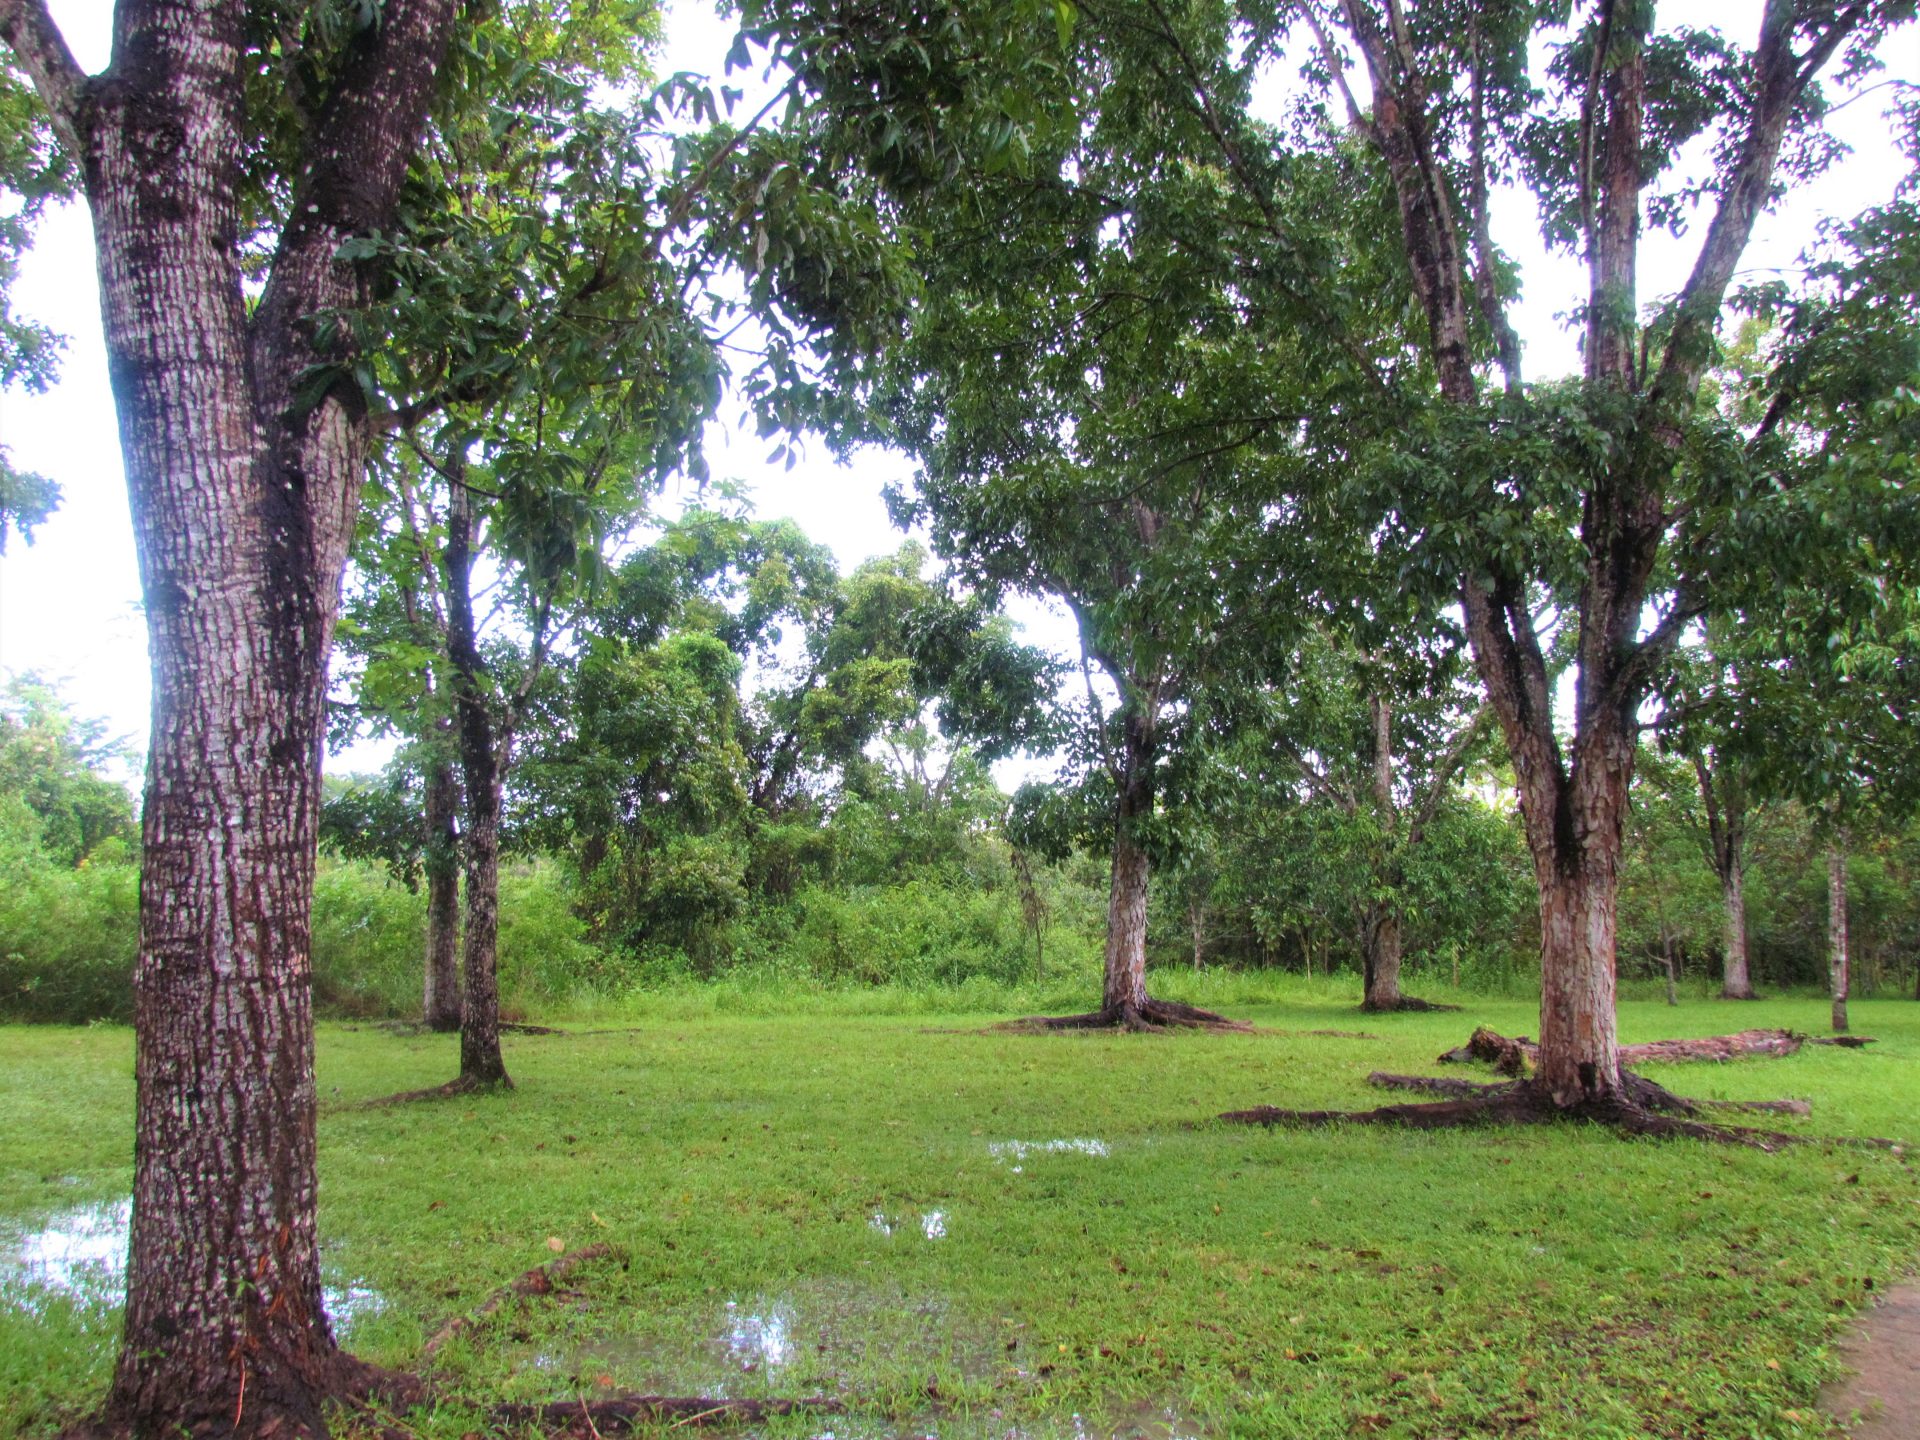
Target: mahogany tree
<point>227,156</point>
<point>1621,494</point>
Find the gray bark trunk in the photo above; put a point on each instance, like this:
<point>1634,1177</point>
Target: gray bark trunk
<point>1125,983</point>
<point>481,1062</point>
<point>1724,799</point>
<point>440,1008</point>
<point>1380,931</point>
<point>1837,977</point>
<point>1381,948</point>
<point>1738,981</point>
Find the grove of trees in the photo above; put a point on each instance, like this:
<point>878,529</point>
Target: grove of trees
<point>1193,318</point>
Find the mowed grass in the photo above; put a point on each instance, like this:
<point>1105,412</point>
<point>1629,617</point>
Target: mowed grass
<point>828,1203</point>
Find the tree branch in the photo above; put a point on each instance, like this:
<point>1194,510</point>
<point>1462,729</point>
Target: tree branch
<point>1449,763</point>
<point>29,31</point>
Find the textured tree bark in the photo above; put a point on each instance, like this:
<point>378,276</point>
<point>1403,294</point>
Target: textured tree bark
<point>1837,933</point>
<point>1725,803</point>
<point>243,503</point>
<point>1381,946</point>
<point>1737,982</point>
<point>481,1062</point>
<point>1380,936</point>
<point>440,1008</point>
<point>1124,986</point>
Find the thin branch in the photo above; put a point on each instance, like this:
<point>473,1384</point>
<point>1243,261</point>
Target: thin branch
<point>1603,38</point>
<point>683,205</point>
<point>1449,763</point>
<point>27,27</point>
<point>1336,67</point>
<point>448,474</point>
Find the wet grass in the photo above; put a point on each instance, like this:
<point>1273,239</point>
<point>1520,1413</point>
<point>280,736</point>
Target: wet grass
<point>827,1203</point>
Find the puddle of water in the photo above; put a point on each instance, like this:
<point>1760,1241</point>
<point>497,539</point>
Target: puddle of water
<point>755,1341</point>
<point>1005,1150</point>
<point>1146,1420</point>
<point>932,1223</point>
<point>826,1335</point>
<point>81,1253</point>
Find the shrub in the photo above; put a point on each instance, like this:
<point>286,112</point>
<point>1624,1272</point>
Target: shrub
<point>369,940</point>
<point>68,934</point>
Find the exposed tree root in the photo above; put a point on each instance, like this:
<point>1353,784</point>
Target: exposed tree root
<point>453,1089</point>
<point>1404,1002</point>
<point>1516,1055</point>
<point>1151,1018</point>
<point>1644,1109</point>
<point>591,1418</point>
<point>1467,1089</point>
<point>1444,1085</point>
<point>540,1280</point>
<point>1489,1047</point>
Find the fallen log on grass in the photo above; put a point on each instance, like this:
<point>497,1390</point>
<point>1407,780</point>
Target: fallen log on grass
<point>1516,1055</point>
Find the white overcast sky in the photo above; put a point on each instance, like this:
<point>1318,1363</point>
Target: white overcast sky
<point>69,603</point>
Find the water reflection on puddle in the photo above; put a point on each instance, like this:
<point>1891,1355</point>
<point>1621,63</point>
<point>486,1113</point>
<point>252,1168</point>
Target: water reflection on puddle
<point>1143,1421</point>
<point>754,1341</point>
<point>815,1336</point>
<point>81,1252</point>
<point>1006,1150</point>
<point>932,1223</point>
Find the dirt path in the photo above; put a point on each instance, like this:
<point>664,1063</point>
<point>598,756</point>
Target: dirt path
<point>1884,1354</point>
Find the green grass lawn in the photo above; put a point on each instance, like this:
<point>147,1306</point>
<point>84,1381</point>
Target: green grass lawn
<point>869,1206</point>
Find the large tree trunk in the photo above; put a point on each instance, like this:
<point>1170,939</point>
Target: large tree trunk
<point>440,1008</point>
<point>1380,952</point>
<point>1124,988</point>
<point>480,753</point>
<point>1837,932</point>
<point>1574,831</point>
<point>242,503</point>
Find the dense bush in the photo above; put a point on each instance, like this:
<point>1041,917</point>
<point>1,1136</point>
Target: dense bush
<point>369,940</point>
<point>67,933</point>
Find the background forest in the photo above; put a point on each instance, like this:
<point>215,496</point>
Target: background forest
<point>823,834</point>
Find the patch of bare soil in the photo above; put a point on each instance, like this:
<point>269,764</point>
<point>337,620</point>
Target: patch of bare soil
<point>1883,1352</point>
